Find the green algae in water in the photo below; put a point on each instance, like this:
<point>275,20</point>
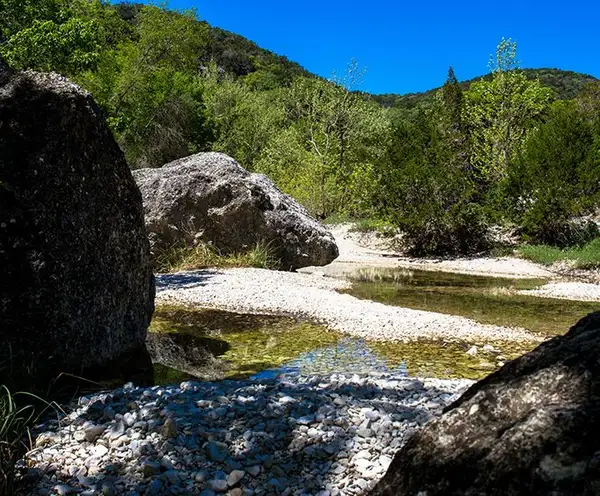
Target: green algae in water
<point>254,342</point>
<point>164,375</point>
<point>448,360</point>
<point>489,300</point>
<point>244,345</point>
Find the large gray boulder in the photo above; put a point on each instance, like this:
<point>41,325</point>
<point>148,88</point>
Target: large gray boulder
<point>209,197</point>
<point>77,288</point>
<point>532,427</point>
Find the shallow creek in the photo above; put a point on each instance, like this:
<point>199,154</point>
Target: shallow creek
<point>213,344</point>
<point>489,300</point>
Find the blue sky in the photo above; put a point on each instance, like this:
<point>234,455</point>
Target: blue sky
<point>408,46</point>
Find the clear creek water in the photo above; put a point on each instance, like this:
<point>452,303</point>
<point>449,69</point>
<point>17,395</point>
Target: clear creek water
<point>214,344</point>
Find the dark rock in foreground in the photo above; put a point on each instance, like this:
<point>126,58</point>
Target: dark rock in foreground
<point>533,427</point>
<point>77,286</point>
<point>209,197</point>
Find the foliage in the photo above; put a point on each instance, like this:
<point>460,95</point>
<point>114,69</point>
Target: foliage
<point>565,85</point>
<point>60,35</point>
<point>586,256</point>
<point>427,186</point>
<point>325,154</point>
<point>501,112</point>
<point>14,429</point>
<point>67,47</point>
<point>150,90</point>
<point>382,227</point>
<point>555,179</point>
<point>17,15</point>
<point>439,165</point>
<point>242,120</point>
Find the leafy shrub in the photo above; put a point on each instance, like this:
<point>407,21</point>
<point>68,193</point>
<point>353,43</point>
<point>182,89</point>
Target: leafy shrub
<point>555,179</point>
<point>458,230</point>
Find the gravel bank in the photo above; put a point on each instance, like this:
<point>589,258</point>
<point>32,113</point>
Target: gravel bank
<point>327,436</point>
<point>357,248</point>
<point>580,291</point>
<point>314,297</point>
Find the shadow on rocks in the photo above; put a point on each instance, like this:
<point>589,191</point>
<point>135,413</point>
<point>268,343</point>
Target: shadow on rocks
<point>272,435</point>
<point>182,280</point>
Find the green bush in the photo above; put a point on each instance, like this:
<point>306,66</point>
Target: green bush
<point>555,179</point>
<point>458,230</point>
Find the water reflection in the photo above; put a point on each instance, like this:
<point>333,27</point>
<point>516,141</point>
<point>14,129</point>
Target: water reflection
<point>489,300</point>
<point>265,346</point>
<point>196,356</point>
<point>347,356</point>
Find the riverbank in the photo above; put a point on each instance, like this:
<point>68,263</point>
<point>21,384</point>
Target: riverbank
<point>368,249</point>
<point>327,435</point>
<point>371,249</point>
<point>316,298</point>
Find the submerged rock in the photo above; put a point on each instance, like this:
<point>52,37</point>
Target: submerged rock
<point>77,286</point>
<point>194,355</point>
<point>533,427</point>
<point>209,197</point>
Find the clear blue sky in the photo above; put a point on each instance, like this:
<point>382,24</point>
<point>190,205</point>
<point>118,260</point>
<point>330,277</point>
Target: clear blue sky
<point>408,46</point>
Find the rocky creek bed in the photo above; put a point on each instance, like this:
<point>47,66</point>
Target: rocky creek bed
<point>327,435</point>
<point>306,425</point>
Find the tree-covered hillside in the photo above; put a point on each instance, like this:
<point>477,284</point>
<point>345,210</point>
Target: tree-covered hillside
<point>233,53</point>
<point>518,148</point>
<point>565,84</point>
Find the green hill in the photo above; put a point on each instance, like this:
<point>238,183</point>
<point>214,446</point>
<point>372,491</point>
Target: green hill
<point>565,84</point>
<point>233,53</point>
<point>239,56</point>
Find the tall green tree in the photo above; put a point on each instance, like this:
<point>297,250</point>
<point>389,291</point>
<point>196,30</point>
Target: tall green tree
<point>452,99</point>
<point>336,137</point>
<point>425,190</point>
<point>243,119</point>
<point>151,89</point>
<point>58,35</point>
<point>501,112</point>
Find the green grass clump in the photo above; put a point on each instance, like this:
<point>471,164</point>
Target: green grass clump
<point>14,433</point>
<point>582,257</point>
<point>334,219</point>
<point>204,255</point>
